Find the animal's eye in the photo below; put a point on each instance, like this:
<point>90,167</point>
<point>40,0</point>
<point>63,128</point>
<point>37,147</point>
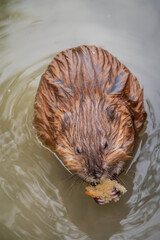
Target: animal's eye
<point>105,145</point>
<point>78,150</point>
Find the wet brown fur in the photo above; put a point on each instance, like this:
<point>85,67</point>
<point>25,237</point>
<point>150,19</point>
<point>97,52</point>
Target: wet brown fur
<point>89,109</point>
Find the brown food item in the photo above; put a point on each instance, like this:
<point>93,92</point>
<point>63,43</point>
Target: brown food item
<point>104,190</point>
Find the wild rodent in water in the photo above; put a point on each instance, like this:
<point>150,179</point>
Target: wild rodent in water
<point>89,109</point>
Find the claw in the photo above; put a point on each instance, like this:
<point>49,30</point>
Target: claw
<point>99,201</point>
<point>115,193</point>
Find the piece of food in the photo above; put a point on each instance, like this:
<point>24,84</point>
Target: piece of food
<point>106,191</point>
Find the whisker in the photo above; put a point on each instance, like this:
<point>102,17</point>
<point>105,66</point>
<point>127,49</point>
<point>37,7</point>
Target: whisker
<point>122,181</point>
<point>131,171</point>
<point>128,175</point>
<point>71,179</point>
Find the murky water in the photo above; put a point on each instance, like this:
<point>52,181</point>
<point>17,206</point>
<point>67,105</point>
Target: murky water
<point>38,199</point>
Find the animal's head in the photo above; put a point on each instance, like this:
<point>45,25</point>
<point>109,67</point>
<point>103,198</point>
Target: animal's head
<point>95,140</point>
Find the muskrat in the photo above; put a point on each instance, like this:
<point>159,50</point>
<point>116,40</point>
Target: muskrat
<point>89,109</point>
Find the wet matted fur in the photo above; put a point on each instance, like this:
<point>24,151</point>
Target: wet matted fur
<point>89,109</point>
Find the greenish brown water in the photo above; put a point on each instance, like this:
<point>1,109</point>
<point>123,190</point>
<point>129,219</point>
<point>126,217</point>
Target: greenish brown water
<point>38,198</point>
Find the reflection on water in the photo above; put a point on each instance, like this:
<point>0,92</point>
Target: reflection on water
<point>39,199</point>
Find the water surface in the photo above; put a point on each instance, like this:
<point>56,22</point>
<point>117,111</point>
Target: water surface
<point>38,198</point>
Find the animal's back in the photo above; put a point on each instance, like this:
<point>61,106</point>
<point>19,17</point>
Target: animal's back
<point>83,74</point>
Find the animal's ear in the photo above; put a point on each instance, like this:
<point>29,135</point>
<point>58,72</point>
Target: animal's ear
<point>134,95</point>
